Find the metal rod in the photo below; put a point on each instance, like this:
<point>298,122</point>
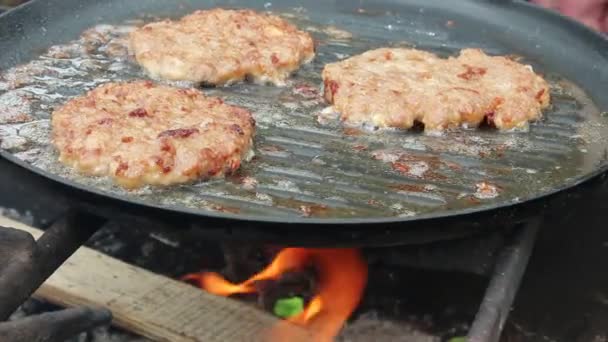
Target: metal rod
<point>54,326</point>
<point>24,274</point>
<point>14,279</point>
<point>63,238</point>
<point>508,273</point>
<point>14,244</point>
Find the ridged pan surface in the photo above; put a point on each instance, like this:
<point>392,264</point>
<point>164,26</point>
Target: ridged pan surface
<point>311,167</point>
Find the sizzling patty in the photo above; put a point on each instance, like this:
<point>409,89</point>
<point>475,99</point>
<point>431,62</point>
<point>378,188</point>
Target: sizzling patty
<point>222,46</point>
<point>140,133</point>
<point>400,87</point>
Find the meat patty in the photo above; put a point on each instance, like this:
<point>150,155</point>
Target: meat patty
<point>401,87</point>
<point>222,46</point>
<point>140,133</point>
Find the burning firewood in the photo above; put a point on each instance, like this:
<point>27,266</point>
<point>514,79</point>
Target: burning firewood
<point>341,276</point>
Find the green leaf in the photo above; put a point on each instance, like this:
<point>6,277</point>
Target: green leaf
<point>288,307</point>
<point>458,339</point>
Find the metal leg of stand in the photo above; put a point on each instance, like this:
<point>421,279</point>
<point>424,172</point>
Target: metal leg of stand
<point>508,273</point>
<point>30,266</point>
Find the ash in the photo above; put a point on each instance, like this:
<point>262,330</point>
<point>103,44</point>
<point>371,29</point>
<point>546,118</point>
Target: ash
<point>369,327</point>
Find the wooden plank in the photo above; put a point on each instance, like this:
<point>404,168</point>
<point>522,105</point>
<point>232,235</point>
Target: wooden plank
<point>148,304</point>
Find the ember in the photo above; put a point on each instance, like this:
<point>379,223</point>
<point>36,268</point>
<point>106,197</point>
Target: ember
<point>341,279</point>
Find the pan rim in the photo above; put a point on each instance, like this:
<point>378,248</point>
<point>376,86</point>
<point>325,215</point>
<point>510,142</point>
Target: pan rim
<point>300,220</point>
<point>450,213</point>
<point>16,8</point>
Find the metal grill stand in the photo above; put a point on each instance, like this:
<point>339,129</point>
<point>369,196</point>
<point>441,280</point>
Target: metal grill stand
<point>504,284</point>
<point>25,264</point>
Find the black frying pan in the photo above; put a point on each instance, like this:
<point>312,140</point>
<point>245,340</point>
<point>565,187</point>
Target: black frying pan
<point>321,181</point>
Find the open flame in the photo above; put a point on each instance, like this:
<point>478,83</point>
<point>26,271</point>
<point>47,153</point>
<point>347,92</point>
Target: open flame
<point>341,279</point>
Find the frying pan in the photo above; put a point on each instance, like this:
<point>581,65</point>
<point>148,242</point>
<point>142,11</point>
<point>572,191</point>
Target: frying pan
<point>315,182</point>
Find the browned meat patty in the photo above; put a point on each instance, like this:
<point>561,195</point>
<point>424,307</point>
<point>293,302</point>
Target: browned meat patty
<point>399,87</point>
<point>140,133</point>
<point>222,46</point>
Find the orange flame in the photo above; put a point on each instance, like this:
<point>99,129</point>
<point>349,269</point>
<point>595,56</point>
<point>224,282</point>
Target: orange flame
<point>342,276</point>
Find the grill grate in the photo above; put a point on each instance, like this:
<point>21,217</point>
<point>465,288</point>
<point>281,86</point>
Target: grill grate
<point>307,168</point>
